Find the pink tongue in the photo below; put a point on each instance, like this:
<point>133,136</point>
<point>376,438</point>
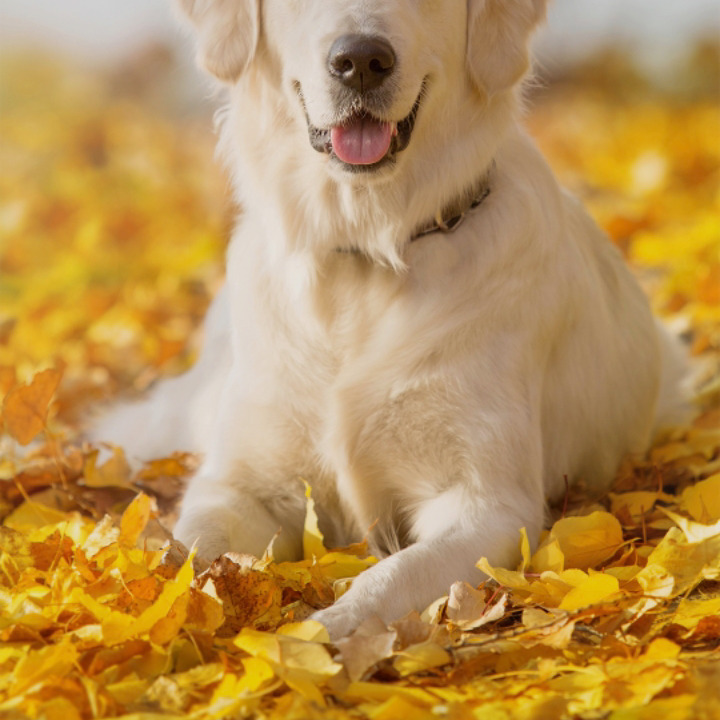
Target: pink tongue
<point>364,142</point>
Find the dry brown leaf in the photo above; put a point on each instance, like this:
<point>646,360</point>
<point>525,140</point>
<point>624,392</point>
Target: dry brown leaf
<point>468,609</point>
<point>371,643</point>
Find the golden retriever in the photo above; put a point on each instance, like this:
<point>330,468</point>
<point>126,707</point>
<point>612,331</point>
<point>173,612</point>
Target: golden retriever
<point>417,320</point>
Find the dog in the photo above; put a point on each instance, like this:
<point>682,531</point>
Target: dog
<point>417,320</point>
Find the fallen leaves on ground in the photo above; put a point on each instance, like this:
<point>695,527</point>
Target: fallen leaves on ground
<point>616,614</point>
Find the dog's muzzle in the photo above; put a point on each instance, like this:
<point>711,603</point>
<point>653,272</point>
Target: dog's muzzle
<point>361,140</point>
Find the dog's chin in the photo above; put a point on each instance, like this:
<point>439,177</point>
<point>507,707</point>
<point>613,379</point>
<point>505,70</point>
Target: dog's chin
<point>362,145</point>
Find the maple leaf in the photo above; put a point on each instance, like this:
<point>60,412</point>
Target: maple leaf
<point>25,408</point>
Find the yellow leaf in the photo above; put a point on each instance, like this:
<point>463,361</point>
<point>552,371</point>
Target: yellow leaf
<point>170,625</point>
<point>506,578</point>
<point>550,589</point>
<point>117,629</point>
<point>257,674</point>
<point>533,617</point>
<point>695,532</point>
<point>33,516</point>
<point>548,556</point>
<point>129,690</point>
<point>662,649</point>
<point>585,542</point>
<point>39,665</point>
<point>524,551</point>
<point>596,588</point>
<point>691,611</point>
<point>310,631</point>
<point>200,676</point>
<point>623,573</point>
<point>25,408</point>
<point>313,545</point>
<point>380,692</point>
<point>656,580</point>
<point>702,500</point>
<point>421,657</point>
<point>239,695</point>
<point>115,472</point>
<point>677,565</point>
<point>10,653</point>
<point>679,707</point>
<point>637,503</point>
<point>104,535</point>
<point>265,646</point>
<point>303,665</point>
<point>398,707</point>
<point>60,709</point>
<point>134,520</point>
<point>97,609</point>
<point>340,565</point>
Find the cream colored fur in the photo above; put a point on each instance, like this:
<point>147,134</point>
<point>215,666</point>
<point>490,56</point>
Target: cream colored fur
<point>436,390</point>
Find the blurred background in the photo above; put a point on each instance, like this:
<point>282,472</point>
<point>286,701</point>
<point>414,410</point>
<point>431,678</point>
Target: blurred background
<point>114,214</point>
<point>658,33</point>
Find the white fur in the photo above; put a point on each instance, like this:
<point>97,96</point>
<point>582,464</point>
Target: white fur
<point>438,389</point>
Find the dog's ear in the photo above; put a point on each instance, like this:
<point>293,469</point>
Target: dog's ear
<point>227,34</point>
<point>498,41</point>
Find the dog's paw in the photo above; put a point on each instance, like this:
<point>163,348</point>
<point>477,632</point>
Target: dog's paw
<point>340,619</point>
<point>175,554</point>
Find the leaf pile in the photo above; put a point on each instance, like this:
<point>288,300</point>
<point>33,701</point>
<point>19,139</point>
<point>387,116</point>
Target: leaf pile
<point>112,217</point>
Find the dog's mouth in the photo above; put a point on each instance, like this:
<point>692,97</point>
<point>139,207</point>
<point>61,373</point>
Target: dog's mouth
<point>361,141</point>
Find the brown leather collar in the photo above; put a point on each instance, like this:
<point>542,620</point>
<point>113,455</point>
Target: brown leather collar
<point>452,216</point>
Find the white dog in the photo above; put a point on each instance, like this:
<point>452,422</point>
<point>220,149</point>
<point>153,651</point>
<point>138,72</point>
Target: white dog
<point>416,319</point>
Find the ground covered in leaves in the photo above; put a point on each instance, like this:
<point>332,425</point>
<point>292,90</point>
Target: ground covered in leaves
<point>113,219</point>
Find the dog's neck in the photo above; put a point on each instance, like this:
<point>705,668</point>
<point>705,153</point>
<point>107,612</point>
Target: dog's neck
<point>454,214</point>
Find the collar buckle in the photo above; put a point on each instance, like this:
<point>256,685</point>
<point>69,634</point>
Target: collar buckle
<point>439,224</point>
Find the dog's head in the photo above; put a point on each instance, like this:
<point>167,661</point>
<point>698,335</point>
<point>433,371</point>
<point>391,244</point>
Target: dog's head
<point>361,72</point>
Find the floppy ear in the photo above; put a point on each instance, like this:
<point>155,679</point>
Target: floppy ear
<point>227,34</point>
<point>498,41</point>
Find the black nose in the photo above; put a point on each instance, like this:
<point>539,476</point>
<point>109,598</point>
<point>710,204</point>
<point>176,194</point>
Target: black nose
<point>362,62</point>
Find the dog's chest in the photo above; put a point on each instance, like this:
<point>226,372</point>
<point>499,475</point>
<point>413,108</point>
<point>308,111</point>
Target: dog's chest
<point>352,304</point>
<point>331,336</point>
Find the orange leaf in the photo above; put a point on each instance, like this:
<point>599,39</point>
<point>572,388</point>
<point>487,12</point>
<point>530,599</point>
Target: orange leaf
<point>7,378</point>
<point>26,407</point>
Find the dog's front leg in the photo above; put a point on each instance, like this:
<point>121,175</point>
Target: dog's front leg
<point>217,517</point>
<point>248,489</point>
<point>419,574</point>
<point>449,469</point>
